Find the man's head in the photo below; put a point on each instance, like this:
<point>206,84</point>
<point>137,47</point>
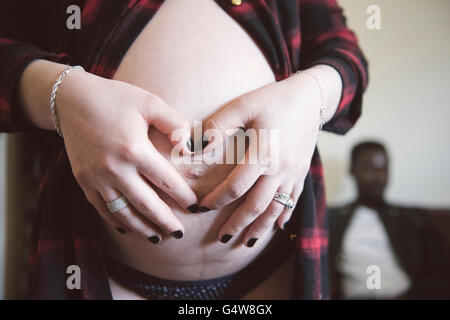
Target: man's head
<point>369,167</point>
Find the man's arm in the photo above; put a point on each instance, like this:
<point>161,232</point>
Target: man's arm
<point>434,283</point>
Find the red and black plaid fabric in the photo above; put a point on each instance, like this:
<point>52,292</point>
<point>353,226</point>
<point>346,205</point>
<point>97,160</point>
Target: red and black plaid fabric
<point>293,34</point>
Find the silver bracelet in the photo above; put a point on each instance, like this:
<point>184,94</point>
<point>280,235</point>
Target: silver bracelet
<point>53,96</point>
<point>323,104</point>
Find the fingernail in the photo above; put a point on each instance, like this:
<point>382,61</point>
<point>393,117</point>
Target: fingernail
<point>177,234</point>
<point>153,239</point>
<point>193,209</point>
<point>121,230</point>
<point>204,209</point>
<point>225,238</point>
<point>205,142</point>
<point>190,145</point>
<point>285,225</point>
<point>251,242</point>
<point>209,142</point>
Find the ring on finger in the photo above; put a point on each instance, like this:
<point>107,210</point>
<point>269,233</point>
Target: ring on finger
<point>285,200</point>
<point>118,204</point>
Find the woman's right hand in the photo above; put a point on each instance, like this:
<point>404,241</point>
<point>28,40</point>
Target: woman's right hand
<point>105,126</point>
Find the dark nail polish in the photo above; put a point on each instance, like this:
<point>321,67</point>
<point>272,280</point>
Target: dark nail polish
<point>204,209</point>
<point>225,238</point>
<point>205,142</point>
<point>121,230</point>
<point>153,239</point>
<point>190,145</point>
<point>285,226</point>
<point>251,242</point>
<point>177,234</point>
<point>193,209</point>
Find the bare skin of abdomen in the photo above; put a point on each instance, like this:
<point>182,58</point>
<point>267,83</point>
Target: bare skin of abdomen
<point>196,58</point>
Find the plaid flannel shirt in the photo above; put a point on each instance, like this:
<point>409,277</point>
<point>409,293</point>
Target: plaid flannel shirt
<point>293,34</point>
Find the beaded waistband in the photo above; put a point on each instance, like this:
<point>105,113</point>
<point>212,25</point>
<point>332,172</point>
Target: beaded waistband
<point>230,287</point>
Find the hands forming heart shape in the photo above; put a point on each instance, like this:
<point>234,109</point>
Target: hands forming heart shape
<point>281,120</point>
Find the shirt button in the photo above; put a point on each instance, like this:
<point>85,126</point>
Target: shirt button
<point>236,2</point>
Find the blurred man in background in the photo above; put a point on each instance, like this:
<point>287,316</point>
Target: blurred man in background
<point>371,234</point>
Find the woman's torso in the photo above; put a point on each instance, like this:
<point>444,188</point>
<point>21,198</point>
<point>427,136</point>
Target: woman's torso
<point>196,58</point>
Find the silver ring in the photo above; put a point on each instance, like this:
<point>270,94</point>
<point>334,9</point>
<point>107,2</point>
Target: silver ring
<point>117,204</point>
<point>285,200</point>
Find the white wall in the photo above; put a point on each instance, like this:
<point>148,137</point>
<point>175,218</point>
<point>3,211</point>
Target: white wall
<point>406,105</point>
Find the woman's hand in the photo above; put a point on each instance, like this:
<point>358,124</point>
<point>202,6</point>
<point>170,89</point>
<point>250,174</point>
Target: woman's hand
<point>105,126</point>
<point>290,108</point>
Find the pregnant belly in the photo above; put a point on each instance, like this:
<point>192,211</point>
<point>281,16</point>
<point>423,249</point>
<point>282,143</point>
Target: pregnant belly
<point>196,58</point>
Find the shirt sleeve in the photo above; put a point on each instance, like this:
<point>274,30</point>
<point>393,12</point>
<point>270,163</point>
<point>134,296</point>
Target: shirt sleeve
<point>327,40</point>
<point>23,38</point>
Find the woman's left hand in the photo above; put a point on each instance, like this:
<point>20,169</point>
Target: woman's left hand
<point>291,108</point>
